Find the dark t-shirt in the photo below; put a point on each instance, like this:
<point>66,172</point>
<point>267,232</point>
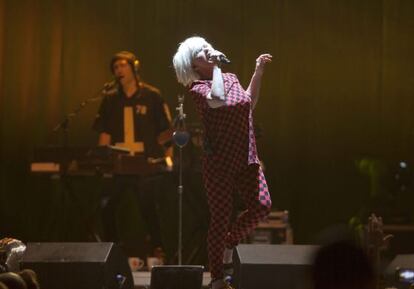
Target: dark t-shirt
<point>150,113</point>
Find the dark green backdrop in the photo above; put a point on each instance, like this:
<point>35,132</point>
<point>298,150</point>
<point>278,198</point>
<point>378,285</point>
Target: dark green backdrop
<point>340,88</point>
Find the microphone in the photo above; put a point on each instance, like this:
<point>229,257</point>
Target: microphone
<point>111,86</point>
<point>218,56</point>
<point>112,83</point>
<point>223,59</point>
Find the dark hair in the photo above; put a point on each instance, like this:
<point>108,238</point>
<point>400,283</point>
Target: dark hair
<point>129,57</point>
<point>342,265</point>
<point>12,281</point>
<point>30,278</point>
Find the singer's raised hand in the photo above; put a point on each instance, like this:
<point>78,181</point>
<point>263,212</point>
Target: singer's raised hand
<point>254,86</point>
<point>262,60</point>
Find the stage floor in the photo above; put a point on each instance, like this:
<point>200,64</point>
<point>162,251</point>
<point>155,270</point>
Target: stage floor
<point>142,279</point>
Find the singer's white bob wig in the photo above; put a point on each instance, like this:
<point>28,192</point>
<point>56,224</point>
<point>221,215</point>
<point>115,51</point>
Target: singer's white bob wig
<point>183,59</point>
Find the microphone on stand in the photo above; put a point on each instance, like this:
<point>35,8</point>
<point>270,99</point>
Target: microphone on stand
<point>111,87</point>
<point>180,135</point>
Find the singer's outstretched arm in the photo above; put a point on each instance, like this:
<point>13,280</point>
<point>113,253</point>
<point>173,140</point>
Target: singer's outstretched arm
<point>254,87</point>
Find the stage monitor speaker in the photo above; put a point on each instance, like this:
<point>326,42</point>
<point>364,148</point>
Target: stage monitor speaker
<point>273,266</point>
<point>400,272</point>
<point>177,277</point>
<point>78,265</point>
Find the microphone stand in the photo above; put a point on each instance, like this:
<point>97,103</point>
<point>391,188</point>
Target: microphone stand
<point>109,88</point>
<point>64,124</point>
<point>181,138</point>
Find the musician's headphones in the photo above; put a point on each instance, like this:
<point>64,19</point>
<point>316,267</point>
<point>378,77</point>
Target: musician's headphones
<point>129,57</point>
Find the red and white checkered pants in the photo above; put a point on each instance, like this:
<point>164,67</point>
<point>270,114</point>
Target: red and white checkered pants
<point>250,183</point>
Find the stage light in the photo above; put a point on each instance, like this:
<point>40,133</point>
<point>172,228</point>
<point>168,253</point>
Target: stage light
<point>405,275</point>
<point>403,165</point>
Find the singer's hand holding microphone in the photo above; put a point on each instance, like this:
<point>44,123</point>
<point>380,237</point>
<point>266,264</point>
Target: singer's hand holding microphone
<point>217,57</point>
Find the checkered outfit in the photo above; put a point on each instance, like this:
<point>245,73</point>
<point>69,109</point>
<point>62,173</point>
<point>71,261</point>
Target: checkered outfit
<point>230,163</point>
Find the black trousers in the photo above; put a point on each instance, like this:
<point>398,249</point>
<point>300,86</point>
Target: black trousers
<point>145,190</point>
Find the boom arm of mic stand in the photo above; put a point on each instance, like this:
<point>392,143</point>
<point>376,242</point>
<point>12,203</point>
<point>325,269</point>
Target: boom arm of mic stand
<point>64,124</point>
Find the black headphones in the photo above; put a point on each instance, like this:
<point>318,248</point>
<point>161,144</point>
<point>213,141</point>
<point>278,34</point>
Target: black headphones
<point>129,57</point>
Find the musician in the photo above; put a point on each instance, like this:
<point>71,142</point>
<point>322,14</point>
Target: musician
<point>230,161</point>
<point>133,116</point>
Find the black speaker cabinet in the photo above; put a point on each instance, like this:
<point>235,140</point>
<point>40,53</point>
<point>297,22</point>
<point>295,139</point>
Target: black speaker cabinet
<point>273,266</point>
<point>78,265</point>
<point>177,277</point>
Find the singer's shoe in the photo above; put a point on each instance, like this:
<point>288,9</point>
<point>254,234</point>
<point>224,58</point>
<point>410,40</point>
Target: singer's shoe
<point>228,273</point>
<point>223,284</point>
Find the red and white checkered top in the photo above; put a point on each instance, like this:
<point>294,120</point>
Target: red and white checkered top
<point>230,142</point>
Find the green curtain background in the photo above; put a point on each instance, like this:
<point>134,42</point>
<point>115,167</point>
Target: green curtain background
<point>340,88</point>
